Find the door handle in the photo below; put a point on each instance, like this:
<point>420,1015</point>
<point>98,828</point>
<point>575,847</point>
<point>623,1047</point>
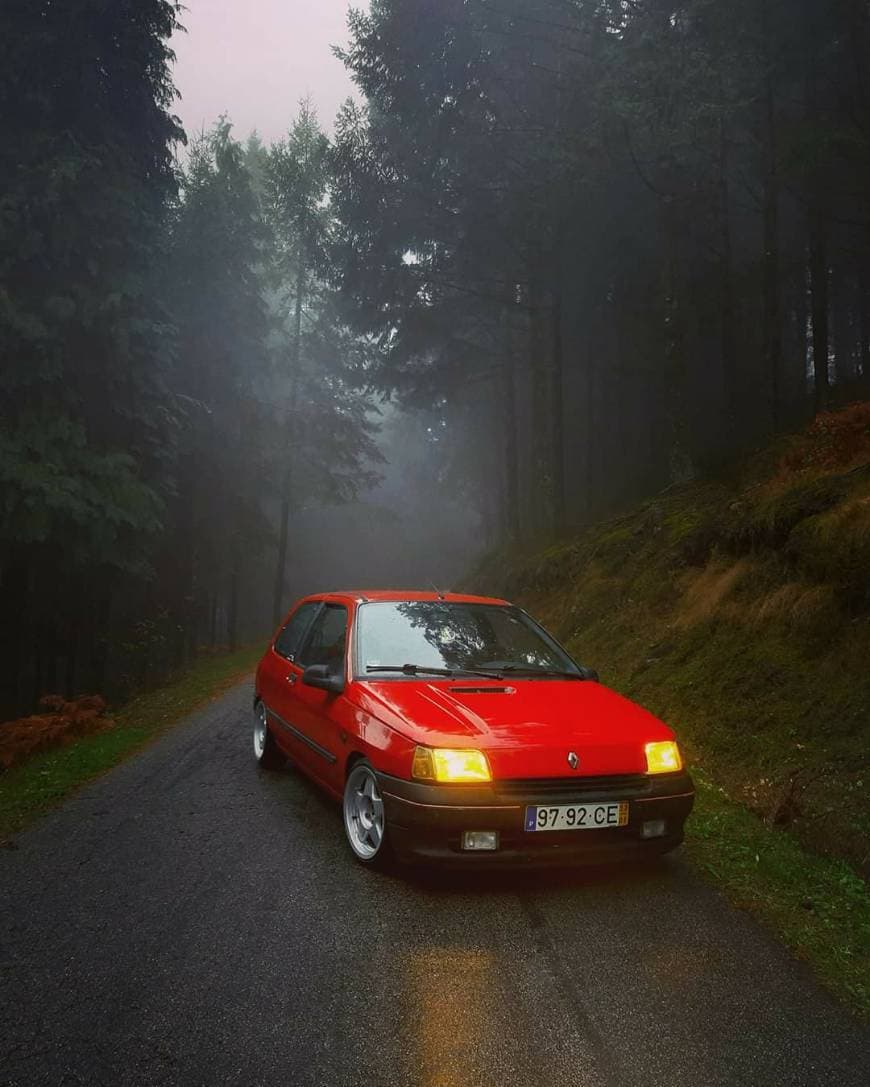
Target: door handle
<point>291,679</point>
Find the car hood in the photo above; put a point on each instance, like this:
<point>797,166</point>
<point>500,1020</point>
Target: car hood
<point>526,727</point>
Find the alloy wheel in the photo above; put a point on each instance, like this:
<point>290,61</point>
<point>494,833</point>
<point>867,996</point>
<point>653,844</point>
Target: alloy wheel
<point>364,813</point>
<point>260,729</point>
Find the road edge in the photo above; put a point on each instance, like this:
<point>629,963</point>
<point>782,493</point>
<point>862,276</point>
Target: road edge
<point>44,782</point>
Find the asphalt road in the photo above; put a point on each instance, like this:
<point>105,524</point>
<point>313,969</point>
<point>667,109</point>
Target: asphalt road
<point>191,920</point>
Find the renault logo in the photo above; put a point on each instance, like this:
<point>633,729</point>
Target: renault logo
<point>573,760</point>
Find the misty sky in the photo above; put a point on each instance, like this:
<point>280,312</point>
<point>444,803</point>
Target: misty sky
<point>254,59</point>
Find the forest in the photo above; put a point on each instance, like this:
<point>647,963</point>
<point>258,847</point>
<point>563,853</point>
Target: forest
<point>556,255</point>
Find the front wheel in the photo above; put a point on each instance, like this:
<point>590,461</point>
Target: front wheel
<point>266,751</point>
<point>365,824</point>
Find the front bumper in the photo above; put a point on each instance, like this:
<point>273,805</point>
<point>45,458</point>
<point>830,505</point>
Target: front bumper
<point>426,822</point>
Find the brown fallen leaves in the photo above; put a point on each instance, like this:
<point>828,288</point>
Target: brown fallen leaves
<point>59,722</point>
<point>835,440</point>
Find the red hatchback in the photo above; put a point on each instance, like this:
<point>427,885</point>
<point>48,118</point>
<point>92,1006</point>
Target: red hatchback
<point>454,728</point>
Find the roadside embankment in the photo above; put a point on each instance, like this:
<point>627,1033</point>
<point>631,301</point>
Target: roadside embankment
<point>738,610</point>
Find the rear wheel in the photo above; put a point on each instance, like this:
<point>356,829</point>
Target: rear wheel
<point>365,823</point>
<point>266,751</point>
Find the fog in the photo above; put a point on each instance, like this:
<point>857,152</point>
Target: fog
<point>487,275</point>
<point>412,528</point>
<point>560,302</point>
<point>256,62</point>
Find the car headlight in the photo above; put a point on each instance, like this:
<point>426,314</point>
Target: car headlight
<point>449,764</point>
<point>663,757</point>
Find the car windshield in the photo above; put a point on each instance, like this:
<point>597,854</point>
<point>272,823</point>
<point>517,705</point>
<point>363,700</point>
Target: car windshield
<point>443,635</point>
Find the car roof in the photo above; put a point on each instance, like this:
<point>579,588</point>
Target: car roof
<point>363,596</point>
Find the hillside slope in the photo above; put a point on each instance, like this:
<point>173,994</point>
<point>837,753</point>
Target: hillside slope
<point>739,611</point>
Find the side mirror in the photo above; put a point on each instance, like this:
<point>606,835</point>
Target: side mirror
<point>322,676</point>
<point>589,673</point>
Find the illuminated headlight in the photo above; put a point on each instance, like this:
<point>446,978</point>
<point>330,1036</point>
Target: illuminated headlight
<point>663,757</point>
<point>450,764</point>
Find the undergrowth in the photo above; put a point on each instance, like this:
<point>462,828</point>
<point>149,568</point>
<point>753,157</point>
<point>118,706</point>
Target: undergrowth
<point>47,778</point>
<point>738,610</point>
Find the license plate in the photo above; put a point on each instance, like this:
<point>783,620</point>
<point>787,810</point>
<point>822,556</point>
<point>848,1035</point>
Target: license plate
<point>576,817</point>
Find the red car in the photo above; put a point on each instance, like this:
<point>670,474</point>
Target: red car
<point>454,728</point>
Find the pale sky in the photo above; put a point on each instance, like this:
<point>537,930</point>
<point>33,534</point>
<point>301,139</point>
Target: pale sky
<point>255,59</point>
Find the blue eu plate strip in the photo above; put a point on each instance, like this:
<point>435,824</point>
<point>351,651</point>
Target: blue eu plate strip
<point>531,818</point>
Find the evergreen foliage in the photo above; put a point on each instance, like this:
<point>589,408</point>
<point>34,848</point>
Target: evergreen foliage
<point>635,236</point>
<point>596,246</point>
<point>160,367</point>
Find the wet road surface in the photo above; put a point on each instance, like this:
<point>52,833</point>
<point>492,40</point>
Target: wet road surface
<point>189,919</point>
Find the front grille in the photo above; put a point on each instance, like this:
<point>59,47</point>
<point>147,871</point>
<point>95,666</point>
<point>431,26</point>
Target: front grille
<point>610,785</point>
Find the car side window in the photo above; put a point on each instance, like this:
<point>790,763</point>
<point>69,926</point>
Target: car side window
<point>288,641</point>
<point>326,639</point>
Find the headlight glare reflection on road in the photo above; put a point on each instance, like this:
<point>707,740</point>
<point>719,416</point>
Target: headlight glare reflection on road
<point>450,765</point>
<point>663,757</point>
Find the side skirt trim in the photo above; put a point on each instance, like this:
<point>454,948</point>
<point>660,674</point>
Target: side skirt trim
<point>315,747</point>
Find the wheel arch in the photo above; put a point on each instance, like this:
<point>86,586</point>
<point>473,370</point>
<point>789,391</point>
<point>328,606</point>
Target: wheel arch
<point>352,759</point>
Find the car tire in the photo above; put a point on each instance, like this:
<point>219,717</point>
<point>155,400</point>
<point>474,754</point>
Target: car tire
<point>266,750</point>
<point>365,822</point>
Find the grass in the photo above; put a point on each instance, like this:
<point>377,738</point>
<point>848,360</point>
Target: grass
<point>817,905</point>
<point>738,610</point>
<point>42,782</point>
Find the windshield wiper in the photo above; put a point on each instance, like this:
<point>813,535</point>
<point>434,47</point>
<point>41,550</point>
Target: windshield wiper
<point>424,670</point>
<point>523,670</point>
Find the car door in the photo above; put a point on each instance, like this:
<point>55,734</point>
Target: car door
<point>279,673</point>
<point>313,712</point>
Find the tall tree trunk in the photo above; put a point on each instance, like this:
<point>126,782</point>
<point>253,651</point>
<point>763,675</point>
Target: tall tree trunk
<point>99,618</point>
<point>511,434</point>
<point>538,371</point>
<point>680,460</point>
<point>771,317</point>
<point>819,290</point>
<point>180,564</point>
<point>557,412</point>
<point>864,311</point>
<point>233,602</point>
<point>283,535</point>
<point>840,346</point>
<point>287,481</point>
<point>726,291</point>
<point>591,425</point>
